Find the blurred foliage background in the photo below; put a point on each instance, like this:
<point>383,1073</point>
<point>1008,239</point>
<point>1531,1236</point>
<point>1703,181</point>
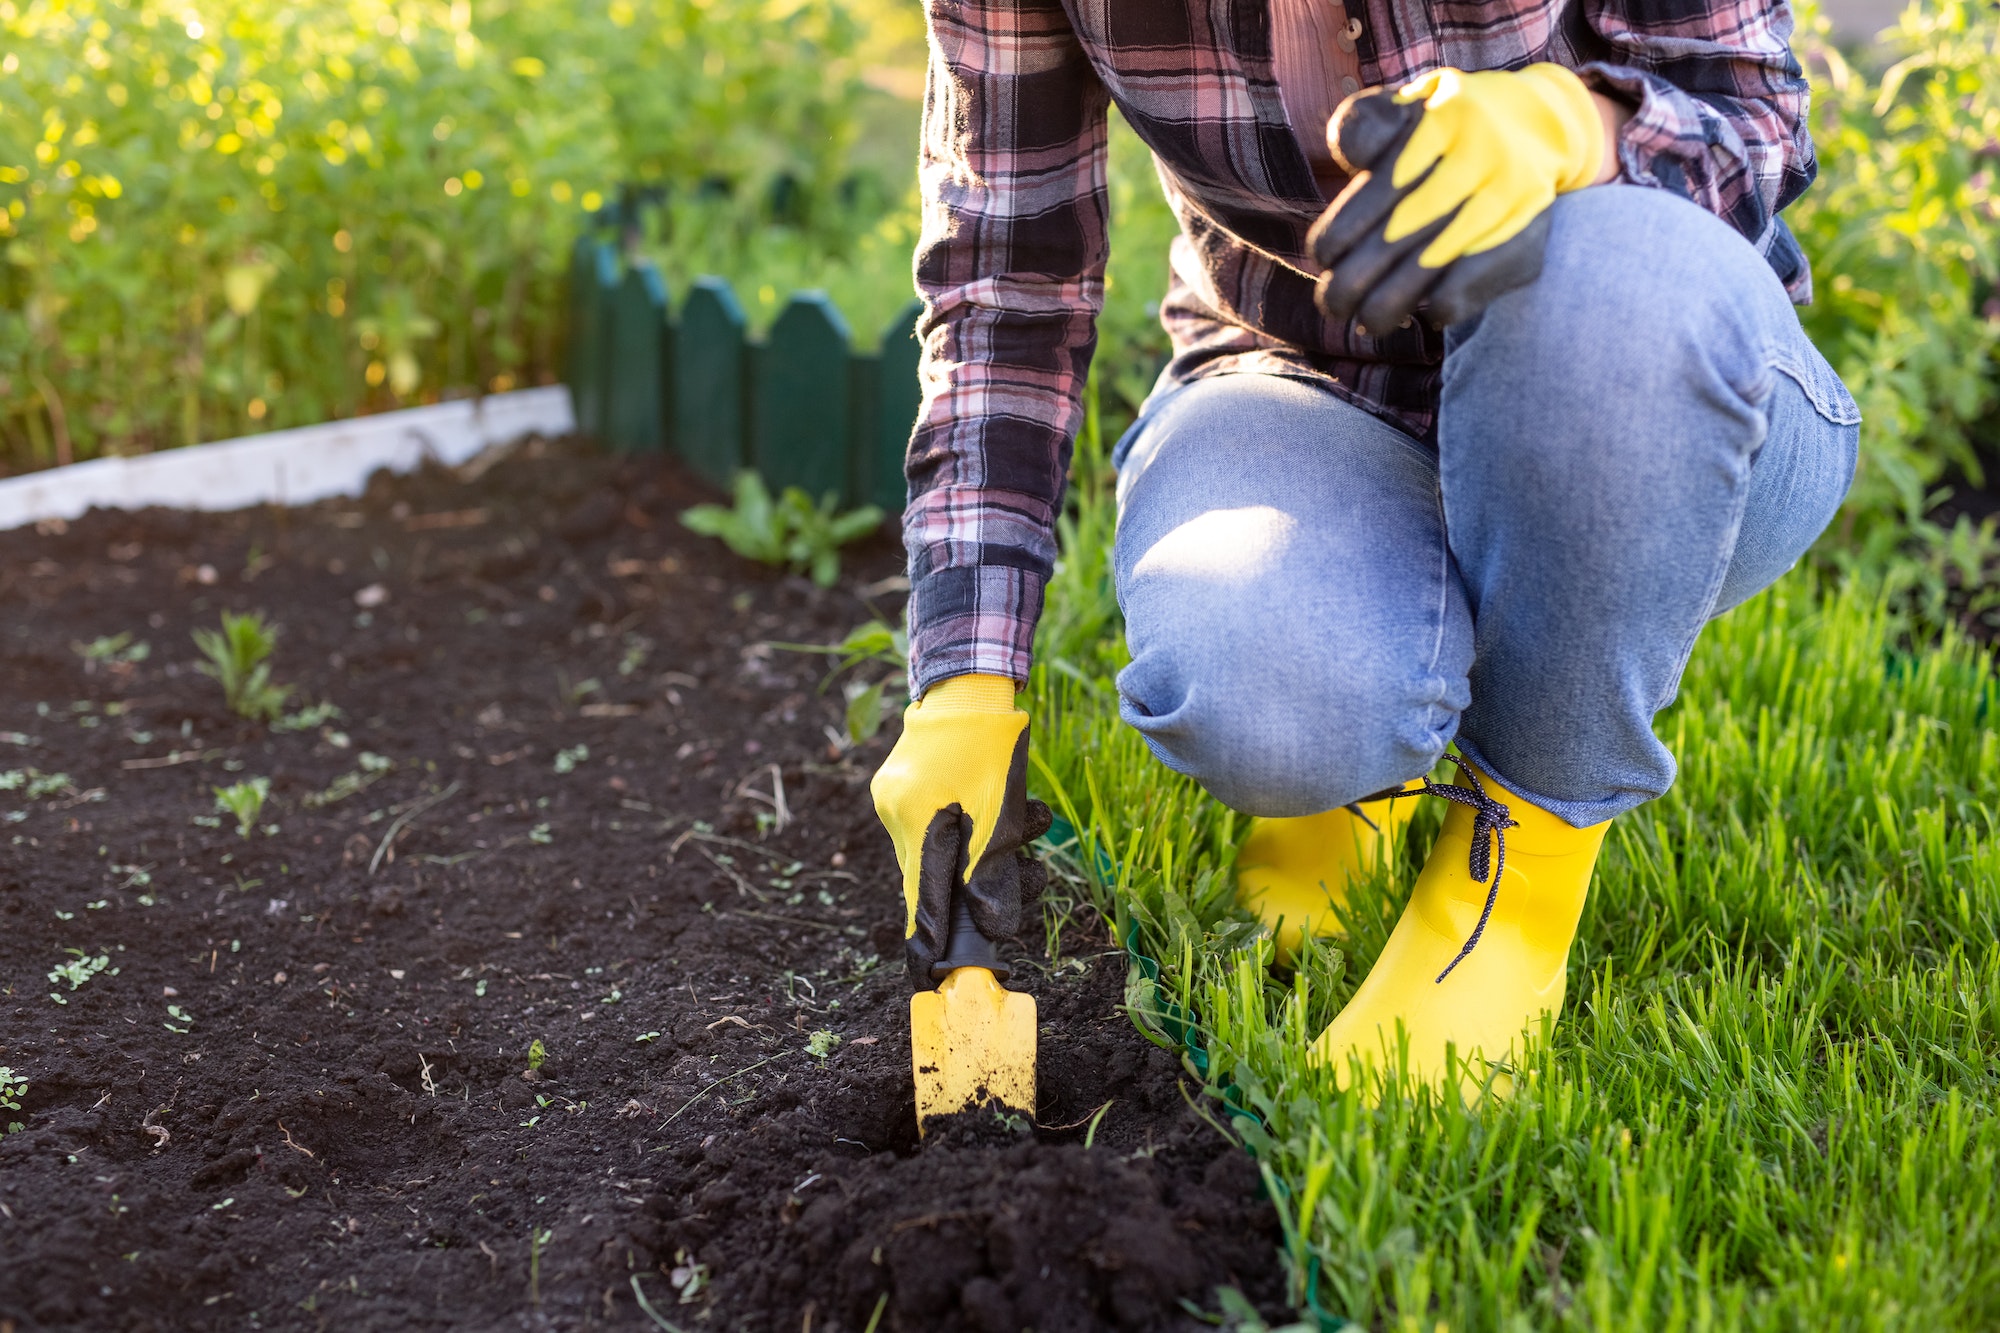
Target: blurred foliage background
<point>225,217</point>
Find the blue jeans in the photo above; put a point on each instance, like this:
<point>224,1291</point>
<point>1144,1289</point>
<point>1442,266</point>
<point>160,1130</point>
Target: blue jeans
<point>1318,603</point>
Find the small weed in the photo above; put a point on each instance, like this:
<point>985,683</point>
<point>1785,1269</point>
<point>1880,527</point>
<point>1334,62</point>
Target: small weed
<point>315,715</point>
<point>181,1016</point>
<point>237,661</point>
<point>370,770</point>
<point>875,642</point>
<point>567,760</point>
<point>821,1043</point>
<point>1090,1134</point>
<point>688,1277</point>
<point>245,800</point>
<point>13,1087</point>
<point>660,1320</point>
<point>33,783</point>
<point>637,649</point>
<point>537,1055</point>
<point>575,692</point>
<point>540,835</point>
<point>865,708</point>
<point>872,641</point>
<point>112,650</point>
<point>790,531</point>
<point>537,1238</point>
<point>1009,1121</point>
<point>644,1037</point>
<point>81,968</point>
<point>1238,1315</point>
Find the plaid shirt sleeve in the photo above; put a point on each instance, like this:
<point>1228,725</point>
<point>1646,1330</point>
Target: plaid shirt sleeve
<point>1721,111</point>
<point>1010,265</point>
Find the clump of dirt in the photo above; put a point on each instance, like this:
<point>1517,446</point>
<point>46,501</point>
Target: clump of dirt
<point>561,966</point>
<point>995,1225</point>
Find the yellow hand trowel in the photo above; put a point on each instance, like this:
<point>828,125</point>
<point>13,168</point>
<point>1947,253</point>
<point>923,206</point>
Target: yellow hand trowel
<point>972,1041</point>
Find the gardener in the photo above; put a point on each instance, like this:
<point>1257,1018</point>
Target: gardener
<point>1485,397</point>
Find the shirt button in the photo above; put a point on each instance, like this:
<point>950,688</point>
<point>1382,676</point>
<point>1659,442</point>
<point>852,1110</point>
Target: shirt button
<point>1354,30</point>
<point>1350,85</point>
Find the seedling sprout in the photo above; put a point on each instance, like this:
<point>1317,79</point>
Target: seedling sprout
<point>111,650</point>
<point>236,659</point>
<point>81,968</point>
<point>13,1087</point>
<point>245,800</point>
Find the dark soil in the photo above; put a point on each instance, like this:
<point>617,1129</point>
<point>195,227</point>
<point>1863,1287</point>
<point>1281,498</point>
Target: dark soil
<point>295,1094</point>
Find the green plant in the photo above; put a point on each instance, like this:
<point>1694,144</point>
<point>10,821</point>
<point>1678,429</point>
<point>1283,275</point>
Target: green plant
<point>537,1238</point>
<point>689,1277</point>
<point>13,1087</point>
<point>867,702</point>
<point>80,968</point>
<point>245,800</point>
<point>236,659</point>
<point>33,783</point>
<point>537,1055</point>
<point>369,769</point>
<point>305,719</point>
<point>1903,229</point>
<point>112,650</point>
<point>821,1043</point>
<point>791,530</point>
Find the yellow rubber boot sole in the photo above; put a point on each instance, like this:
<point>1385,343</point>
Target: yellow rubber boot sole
<point>1293,873</point>
<point>1471,1027</point>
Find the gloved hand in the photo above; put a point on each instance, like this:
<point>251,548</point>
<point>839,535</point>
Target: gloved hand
<point>1453,176</point>
<point>954,797</point>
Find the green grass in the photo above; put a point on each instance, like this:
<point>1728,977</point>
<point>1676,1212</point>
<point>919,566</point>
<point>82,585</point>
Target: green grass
<point>1770,1102</point>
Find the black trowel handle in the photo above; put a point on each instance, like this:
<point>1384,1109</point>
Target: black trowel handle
<point>967,947</point>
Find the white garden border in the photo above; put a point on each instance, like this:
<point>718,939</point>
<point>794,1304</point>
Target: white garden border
<point>288,467</point>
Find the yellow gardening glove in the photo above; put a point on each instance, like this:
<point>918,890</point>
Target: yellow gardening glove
<point>1453,175</point>
<point>954,796</point>
<point>1504,143</point>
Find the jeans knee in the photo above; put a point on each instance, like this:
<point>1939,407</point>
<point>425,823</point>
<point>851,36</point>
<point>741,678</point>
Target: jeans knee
<point>1639,288</point>
<point>1271,733</point>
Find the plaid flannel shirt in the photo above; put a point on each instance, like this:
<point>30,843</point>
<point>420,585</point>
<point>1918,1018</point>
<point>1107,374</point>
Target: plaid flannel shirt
<point>1011,259</point>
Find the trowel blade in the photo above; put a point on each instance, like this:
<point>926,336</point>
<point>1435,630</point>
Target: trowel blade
<point>972,1043</point>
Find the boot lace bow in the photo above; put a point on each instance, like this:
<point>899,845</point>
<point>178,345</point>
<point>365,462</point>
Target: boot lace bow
<point>1490,821</point>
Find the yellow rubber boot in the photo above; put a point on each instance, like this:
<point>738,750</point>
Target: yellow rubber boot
<point>1293,873</point>
<point>1494,998</point>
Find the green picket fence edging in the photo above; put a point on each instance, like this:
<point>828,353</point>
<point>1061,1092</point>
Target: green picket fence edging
<point>801,406</point>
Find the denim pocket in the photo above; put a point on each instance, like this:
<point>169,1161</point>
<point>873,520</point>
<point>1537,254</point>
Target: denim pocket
<point>1804,366</point>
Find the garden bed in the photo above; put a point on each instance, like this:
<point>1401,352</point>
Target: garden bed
<point>570,797</point>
